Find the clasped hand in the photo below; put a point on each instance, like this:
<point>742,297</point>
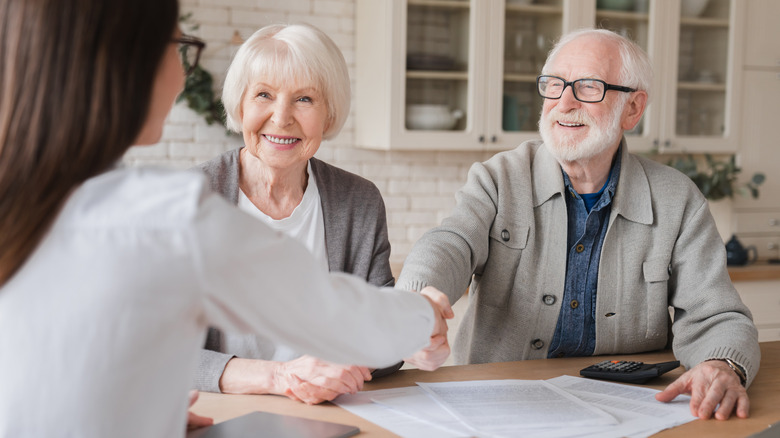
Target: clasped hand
<point>434,355</point>
<point>713,387</point>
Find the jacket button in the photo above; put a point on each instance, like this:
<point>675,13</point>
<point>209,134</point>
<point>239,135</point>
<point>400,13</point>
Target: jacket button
<point>575,304</point>
<point>580,247</point>
<point>537,344</point>
<point>505,235</point>
<point>548,299</point>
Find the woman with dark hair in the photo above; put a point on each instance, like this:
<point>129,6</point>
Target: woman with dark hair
<point>96,259</point>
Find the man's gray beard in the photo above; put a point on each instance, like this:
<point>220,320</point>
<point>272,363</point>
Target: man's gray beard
<point>598,140</point>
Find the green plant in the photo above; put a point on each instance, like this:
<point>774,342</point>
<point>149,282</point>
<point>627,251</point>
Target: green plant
<point>718,179</point>
<point>199,89</point>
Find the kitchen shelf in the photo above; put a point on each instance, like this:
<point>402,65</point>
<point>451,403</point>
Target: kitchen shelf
<point>622,15</point>
<point>704,22</point>
<point>535,9</point>
<point>442,75</point>
<point>440,4</point>
<point>701,86</point>
<point>515,77</point>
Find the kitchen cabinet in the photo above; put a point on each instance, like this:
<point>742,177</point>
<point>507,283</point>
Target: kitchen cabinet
<point>460,74</point>
<point>763,300</point>
<point>417,59</point>
<point>692,43</point>
<point>757,221</point>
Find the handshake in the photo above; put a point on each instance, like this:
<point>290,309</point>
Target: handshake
<point>432,356</point>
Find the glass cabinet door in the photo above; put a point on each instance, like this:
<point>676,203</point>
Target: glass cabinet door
<point>702,68</point>
<point>437,65</point>
<point>631,19</point>
<point>530,29</point>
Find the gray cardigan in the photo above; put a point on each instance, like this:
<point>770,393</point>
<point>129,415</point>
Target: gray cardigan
<point>507,238</point>
<point>356,242</point>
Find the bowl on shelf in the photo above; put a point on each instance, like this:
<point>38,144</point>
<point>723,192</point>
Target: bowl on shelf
<point>693,8</point>
<point>616,5</point>
<point>431,117</point>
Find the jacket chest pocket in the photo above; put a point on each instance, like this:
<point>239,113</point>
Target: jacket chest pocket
<point>656,273</point>
<point>506,243</point>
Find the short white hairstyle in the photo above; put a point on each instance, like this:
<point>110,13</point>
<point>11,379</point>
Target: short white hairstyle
<point>299,53</point>
<point>636,70</point>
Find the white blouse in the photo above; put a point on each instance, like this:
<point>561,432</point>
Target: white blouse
<point>101,328</point>
<point>306,223</point>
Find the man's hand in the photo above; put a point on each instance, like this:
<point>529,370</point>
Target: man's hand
<point>195,421</point>
<point>710,383</point>
<point>311,380</point>
<point>432,356</point>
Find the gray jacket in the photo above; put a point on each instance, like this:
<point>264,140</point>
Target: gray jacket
<point>356,242</point>
<point>507,238</point>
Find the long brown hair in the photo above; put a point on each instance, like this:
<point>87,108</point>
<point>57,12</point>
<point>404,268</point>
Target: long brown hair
<point>75,87</point>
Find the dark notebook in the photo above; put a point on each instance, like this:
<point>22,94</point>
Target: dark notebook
<point>266,424</point>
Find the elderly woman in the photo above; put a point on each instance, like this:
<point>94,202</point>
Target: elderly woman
<point>286,90</point>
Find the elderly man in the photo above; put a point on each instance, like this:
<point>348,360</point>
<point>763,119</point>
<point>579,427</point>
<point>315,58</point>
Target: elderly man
<point>575,247</point>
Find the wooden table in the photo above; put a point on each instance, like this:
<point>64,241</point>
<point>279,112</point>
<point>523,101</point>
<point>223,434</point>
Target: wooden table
<point>764,393</point>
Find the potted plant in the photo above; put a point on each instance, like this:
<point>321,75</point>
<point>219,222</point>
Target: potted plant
<point>199,89</point>
<point>717,180</point>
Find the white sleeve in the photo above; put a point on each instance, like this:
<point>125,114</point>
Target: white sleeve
<point>256,280</point>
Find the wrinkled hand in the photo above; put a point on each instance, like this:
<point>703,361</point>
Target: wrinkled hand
<point>311,380</point>
<point>432,356</point>
<point>709,384</point>
<point>195,421</point>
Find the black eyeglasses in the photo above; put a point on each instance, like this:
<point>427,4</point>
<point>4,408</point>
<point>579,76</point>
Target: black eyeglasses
<point>189,49</point>
<point>585,90</point>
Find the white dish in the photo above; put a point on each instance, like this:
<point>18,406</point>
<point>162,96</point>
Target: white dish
<point>431,117</point>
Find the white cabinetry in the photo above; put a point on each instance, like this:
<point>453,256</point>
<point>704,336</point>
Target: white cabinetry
<point>757,221</point>
<point>482,57</point>
<point>763,300</point>
<point>446,55</point>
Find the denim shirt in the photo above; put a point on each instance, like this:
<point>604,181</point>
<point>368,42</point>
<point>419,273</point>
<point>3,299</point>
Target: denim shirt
<point>575,333</point>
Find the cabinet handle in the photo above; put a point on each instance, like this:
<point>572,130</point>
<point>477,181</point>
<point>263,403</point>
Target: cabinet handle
<point>656,143</point>
<point>667,143</point>
<point>493,139</point>
<point>771,246</point>
<point>481,138</point>
<point>774,222</point>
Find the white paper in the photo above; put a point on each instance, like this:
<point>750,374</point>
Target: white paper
<point>395,421</point>
<point>412,412</point>
<point>640,414</point>
<point>515,407</point>
<point>415,402</point>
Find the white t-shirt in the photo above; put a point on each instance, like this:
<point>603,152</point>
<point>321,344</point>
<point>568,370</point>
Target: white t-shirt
<point>306,223</point>
<point>101,328</point>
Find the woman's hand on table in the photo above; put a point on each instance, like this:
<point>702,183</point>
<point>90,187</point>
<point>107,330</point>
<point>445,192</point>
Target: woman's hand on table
<point>710,384</point>
<point>311,380</point>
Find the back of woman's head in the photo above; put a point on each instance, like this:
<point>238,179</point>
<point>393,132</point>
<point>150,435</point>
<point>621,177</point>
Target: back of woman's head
<point>75,85</point>
<point>299,53</point>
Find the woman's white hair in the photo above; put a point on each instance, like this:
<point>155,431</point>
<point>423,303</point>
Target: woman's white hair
<point>636,71</point>
<point>298,53</point>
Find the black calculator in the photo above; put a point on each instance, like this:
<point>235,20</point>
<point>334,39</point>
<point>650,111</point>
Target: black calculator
<point>628,371</point>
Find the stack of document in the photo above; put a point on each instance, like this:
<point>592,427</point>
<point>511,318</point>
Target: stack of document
<point>561,407</point>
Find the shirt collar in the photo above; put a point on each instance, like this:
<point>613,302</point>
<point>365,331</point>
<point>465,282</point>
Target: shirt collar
<point>632,201</point>
<point>608,190</point>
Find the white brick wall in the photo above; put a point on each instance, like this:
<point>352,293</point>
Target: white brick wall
<point>418,187</point>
